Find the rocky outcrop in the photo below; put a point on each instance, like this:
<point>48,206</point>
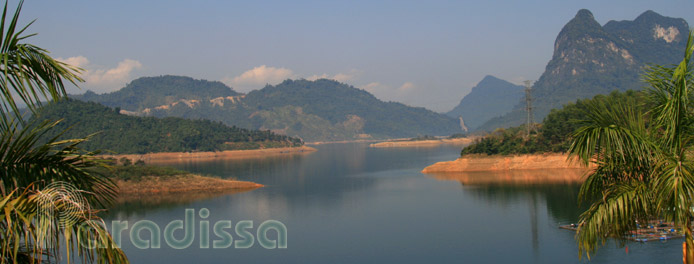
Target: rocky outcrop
<point>590,59</point>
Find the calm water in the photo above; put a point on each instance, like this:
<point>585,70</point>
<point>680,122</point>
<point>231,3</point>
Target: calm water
<point>348,203</point>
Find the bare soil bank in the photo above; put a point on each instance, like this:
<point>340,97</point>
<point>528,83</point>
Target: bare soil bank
<point>422,143</point>
<point>182,184</point>
<point>500,163</point>
<point>229,154</point>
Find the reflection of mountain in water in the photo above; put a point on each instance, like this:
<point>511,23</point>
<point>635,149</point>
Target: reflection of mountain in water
<point>557,188</point>
<point>132,204</point>
<point>330,177</point>
<point>326,178</point>
<point>322,173</point>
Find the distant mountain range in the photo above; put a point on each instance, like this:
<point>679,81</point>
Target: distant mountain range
<point>321,110</point>
<point>588,59</point>
<point>591,59</point>
<point>491,97</point>
<point>123,134</point>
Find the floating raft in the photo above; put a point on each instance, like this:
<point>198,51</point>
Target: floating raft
<point>654,231</point>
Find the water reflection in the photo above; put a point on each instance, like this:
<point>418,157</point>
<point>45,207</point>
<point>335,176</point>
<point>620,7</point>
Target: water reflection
<point>137,204</point>
<point>558,188</point>
<point>348,203</point>
<point>515,177</point>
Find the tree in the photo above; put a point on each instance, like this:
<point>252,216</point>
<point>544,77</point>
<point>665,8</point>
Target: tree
<point>28,167</point>
<point>643,167</point>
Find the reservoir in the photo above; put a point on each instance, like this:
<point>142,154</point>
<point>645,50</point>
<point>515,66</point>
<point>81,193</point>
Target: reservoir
<point>349,203</point>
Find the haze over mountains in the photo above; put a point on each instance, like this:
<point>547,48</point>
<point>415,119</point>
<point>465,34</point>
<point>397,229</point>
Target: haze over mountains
<point>591,59</point>
<point>491,97</point>
<point>321,110</point>
<point>588,59</point>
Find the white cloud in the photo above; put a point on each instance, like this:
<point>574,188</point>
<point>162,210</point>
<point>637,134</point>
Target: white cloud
<point>375,87</point>
<point>103,79</point>
<point>340,77</point>
<point>406,87</point>
<point>378,88</point>
<point>258,77</point>
<point>118,74</point>
<point>78,61</point>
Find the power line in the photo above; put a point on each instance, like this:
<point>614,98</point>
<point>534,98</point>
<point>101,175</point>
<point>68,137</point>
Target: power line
<point>529,106</point>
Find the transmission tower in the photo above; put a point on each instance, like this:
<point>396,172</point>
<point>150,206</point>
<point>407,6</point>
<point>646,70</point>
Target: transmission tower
<point>529,106</point>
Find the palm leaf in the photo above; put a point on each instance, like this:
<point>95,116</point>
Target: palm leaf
<point>642,170</point>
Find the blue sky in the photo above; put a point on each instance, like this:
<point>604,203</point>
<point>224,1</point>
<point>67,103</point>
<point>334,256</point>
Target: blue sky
<point>422,53</point>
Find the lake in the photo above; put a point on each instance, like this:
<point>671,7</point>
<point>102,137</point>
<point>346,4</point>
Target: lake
<point>348,203</point>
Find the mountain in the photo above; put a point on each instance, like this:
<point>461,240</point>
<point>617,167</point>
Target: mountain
<point>591,59</point>
<point>320,110</point>
<point>130,134</point>
<point>490,98</point>
<point>163,90</point>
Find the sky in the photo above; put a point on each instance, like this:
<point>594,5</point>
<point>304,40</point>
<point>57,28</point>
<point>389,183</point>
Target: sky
<point>421,53</point>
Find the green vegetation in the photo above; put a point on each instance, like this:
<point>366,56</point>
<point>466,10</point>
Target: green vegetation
<point>590,59</point>
<point>644,46</point>
<point>122,134</point>
<point>555,132</point>
<point>643,164</point>
<point>458,135</point>
<point>155,91</point>
<point>138,172</point>
<point>321,110</point>
<point>423,138</point>
<point>338,103</point>
<point>125,169</point>
<point>28,234</point>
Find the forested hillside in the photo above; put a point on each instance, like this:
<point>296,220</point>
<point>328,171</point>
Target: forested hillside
<point>147,92</point>
<point>554,133</point>
<point>320,110</point>
<point>129,134</point>
<point>591,59</point>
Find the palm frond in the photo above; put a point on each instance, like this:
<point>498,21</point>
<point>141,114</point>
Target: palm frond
<point>674,189</point>
<point>642,170</point>
<point>27,158</point>
<point>27,72</point>
<point>29,161</point>
<point>614,133</point>
<point>614,215</point>
<point>28,239</point>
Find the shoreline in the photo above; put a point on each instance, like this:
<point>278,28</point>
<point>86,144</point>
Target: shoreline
<point>422,143</point>
<point>475,163</point>
<point>207,155</point>
<point>181,184</point>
